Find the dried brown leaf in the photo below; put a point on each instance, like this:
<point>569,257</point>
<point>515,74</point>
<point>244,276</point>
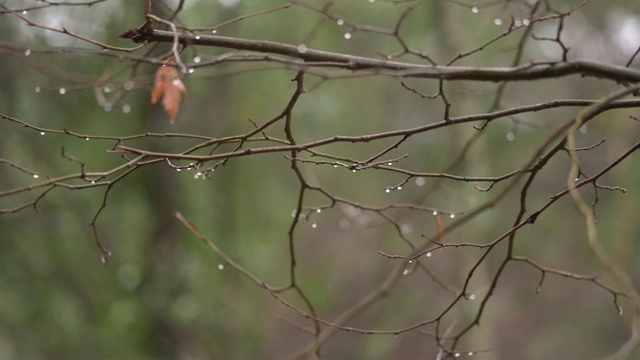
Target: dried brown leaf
<point>168,86</point>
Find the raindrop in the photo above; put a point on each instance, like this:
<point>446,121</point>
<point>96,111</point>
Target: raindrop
<point>108,88</point>
<point>354,170</point>
<point>525,22</point>
<point>583,129</point>
<point>128,85</point>
<point>214,31</point>
<point>293,213</point>
<point>452,216</point>
<point>399,187</point>
<point>86,139</point>
<point>178,169</point>
<point>176,82</point>
<point>24,12</point>
<point>335,165</point>
<point>318,211</point>
<point>619,310</point>
<point>472,296</point>
<point>107,107</point>
<point>191,71</point>
<point>435,212</point>
<point>42,133</point>
<point>347,35</point>
<point>389,163</point>
<point>372,1</point>
<point>387,190</point>
<point>406,272</point>
<point>456,354</point>
<point>470,353</point>
<point>302,48</point>
<point>340,22</point>
<point>314,225</point>
<point>197,59</point>
<point>428,254</point>
<point>62,91</point>
<point>38,89</point>
<point>576,179</point>
<point>395,335</point>
<point>197,37</point>
<point>27,52</point>
<point>35,176</point>
<point>126,108</point>
<point>497,21</point>
<point>475,9</point>
<point>518,23</point>
<point>511,136</point>
<point>220,266</point>
<point>93,181</point>
<point>105,49</point>
<point>197,175</point>
<point>420,181</point>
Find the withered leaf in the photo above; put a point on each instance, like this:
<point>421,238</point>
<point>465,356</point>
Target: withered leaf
<point>168,86</point>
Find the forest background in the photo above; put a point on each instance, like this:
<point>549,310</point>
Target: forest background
<point>309,208</point>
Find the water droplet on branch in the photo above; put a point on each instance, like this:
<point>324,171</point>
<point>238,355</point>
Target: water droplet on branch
<point>475,9</point>
<point>27,52</point>
<point>347,35</point>
<point>62,91</point>
<point>340,22</point>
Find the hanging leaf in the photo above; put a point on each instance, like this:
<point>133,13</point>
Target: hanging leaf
<point>168,86</point>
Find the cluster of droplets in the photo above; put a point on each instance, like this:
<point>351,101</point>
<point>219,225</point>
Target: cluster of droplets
<point>458,354</point>
<point>436,213</point>
<point>187,168</point>
<point>393,188</point>
<point>347,35</point>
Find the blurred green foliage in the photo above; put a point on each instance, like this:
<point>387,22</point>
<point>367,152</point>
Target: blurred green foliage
<point>163,295</point>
